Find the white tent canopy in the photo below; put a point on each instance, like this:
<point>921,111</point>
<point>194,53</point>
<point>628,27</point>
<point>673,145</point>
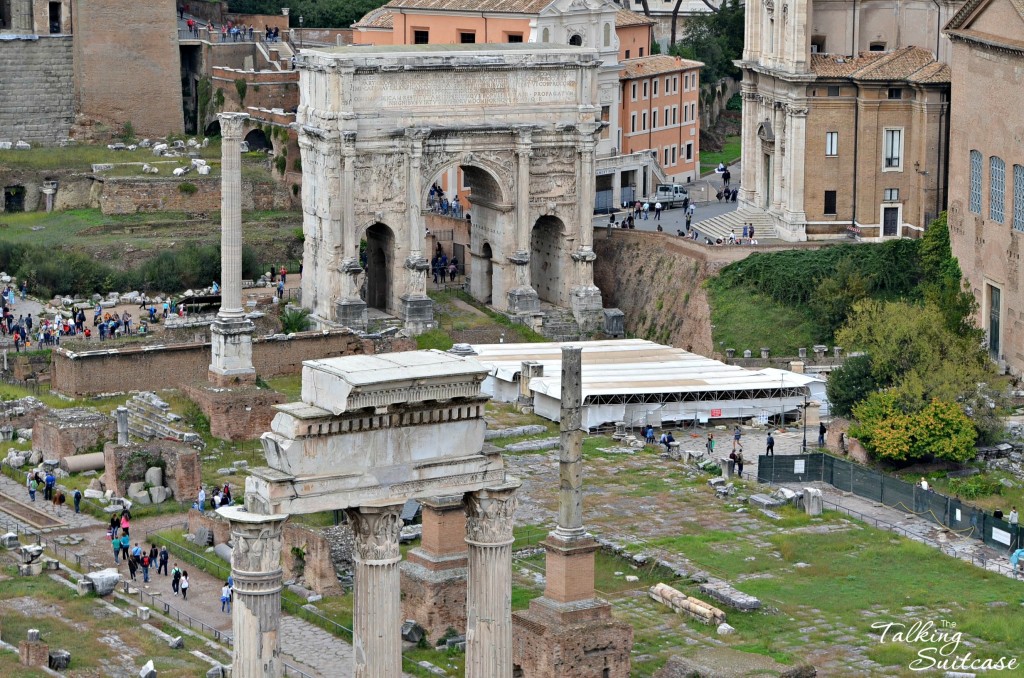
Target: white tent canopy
<point>641,382</point>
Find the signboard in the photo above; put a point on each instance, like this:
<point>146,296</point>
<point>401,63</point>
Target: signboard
<point>1001,536</point>
<point>958,515</point>
<point>798,467</point>
<point>716,413</point>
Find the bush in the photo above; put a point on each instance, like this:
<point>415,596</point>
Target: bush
<point>975,487</point>
<point>297,164</point>
<point>940,430</point>
<point>127,132</point>
<point>187,187</point>
<point>294,320</point>
<point>241,87</point>
<point>295,189</point>
<point>281,163</point>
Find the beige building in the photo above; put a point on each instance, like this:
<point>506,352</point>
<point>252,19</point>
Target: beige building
<point>986,168</point>
<point>845,118</point>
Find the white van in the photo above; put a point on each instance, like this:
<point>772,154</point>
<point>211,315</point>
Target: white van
<point>670,195</point>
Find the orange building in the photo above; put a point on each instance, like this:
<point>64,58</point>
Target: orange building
<point>649,102</point>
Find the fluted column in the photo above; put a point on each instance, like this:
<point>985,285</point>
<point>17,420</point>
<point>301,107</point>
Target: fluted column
<point>489,600</point>
<point>349,309</point>
<point>776,177</point>
<point>256,609</point>
<point>522,298</point>
<point>231,333</point>
<point>750,148</point>
<point>377,610</point>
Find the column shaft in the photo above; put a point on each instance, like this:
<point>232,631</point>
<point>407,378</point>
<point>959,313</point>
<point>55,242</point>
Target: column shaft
<point>570,456</point>
<point>377,610</point>
<point>231,214</point>
<point>587,189</point>
<point>489,598</point>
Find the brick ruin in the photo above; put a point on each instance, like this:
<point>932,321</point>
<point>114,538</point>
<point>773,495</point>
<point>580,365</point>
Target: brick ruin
<point>126,464</point>
<point>64,433</point>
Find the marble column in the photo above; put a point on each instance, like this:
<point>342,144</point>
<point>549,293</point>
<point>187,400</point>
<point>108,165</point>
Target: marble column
<point>350,309</point>
<point>377,609</point>
<point>231,332</point>
<point>585,297</point>
<point>776,177</point>
<point>489,599</point>
<point>750,148</point>
<point>796,131</point>
<point>256,609</point>
<point>522,298</point>
<point>415,307</point>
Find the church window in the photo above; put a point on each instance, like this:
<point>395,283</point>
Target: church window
<point>996,188</point>
<point>831,143</point>
<point>974,203</point>
<point>1018,197</point>
<point>607,35</point>
<point>576,40</point>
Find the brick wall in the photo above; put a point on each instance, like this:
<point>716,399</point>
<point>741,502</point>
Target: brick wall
<point>38,103</point>
<point>217,526</point>
<point>129,196</point>
<point>171,366</point>
<point>265,89</point>
<point>317,568</point>
<point>68,432</point>
<point>182,471</point>
<point>124,75</point>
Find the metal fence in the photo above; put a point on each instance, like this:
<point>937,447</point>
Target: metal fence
<point>950,512</point>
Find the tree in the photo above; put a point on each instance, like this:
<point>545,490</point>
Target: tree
<point>943,280</point>
<point>835,296</point>
<point>849,384</point>
<point>940,430</point>
<point>315,13</point>
<point>716,38</point>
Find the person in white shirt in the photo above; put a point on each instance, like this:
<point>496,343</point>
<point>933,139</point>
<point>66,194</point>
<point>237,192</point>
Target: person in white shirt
<point>924,484</point>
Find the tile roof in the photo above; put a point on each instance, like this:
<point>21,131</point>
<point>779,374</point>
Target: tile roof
<point>970,9</point>
<point>382,17</point>
<point>655,65</point>
<point>625,17</point>
<point>910,64</point>
<point>497,6</point>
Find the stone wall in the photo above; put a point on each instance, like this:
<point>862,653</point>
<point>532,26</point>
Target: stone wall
<point>64,433</point>
<point>214,524</point>
<point>124,75</point>
<point>240,413</point>
<point>38,103</point>
<point>171,366</point>
<point>131,195</point>
<point>317,568</point>
<point>264,89</point>
<point>182,470</point>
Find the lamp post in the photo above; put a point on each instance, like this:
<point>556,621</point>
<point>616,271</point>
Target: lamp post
<point>805,424</point>
<point>300,31</point>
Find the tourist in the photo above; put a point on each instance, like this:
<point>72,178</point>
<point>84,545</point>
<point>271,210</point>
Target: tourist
<point>216,499</point>
<point>739,461</point>
<point>30,483</point>
<point>1013,517</point>
<point>280,289</point>
<point>115,523</point>
<point>769,449</point>
<point>657,211</point>
<point>690,210</point>
<point>201,500</point>
<point>51,480</point>
<point>822,430</point>
<point>736,433</point>
<point>116,544</point>
<point>59,501</point>
<point>647,210</point>
<point>225,598</point>
<point>137,553</point>
<point>725,178</point>
<point>649,435</point>
<point>145,561</point>
<point>226,494</point>
<point>710,445</point>
<point>125,523</point>
<point>154,555</point>
<point>126,544</point>
<point>175,579</point>
<point>284,274</point>
<point>751,233</point>
<point>184,585</point>
<point>668,439</point>
<point>924,484</point>
<point>998,514</point>
<point>162,560</point>
<point>133,567</point>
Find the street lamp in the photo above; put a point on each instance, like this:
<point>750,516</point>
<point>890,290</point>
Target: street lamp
<point>300,31</point>
<point>805,424</point>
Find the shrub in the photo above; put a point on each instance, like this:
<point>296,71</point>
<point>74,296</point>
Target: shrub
<point>241,87</point>
<point>297,164</point>
<point>294,320</point>
<point>295,189</point>
<point>127,132</point>
<point>974,487</point>
<point>281,163</point>
<point>187,187</point>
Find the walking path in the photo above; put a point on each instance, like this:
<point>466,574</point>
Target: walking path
<point>67,515</point>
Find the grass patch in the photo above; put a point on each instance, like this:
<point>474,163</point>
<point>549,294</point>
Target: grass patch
<point>742,319</point>
<point>436,339</point>
<point>83,157</point>
<point>729,154</point>
<point>289,386</point>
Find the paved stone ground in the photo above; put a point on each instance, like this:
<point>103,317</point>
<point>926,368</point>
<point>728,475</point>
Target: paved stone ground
<point>67,514</point>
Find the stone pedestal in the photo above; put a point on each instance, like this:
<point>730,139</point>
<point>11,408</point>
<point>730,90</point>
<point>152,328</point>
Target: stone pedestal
<point>489,601</point>
<point>351,313</point>
<point>417,312</point>
<point>522,298</point>
<point>434,573</point>
<point>242,412</point>
<point>377,613</point>
<point>256,612</point>
<point>232,352</point>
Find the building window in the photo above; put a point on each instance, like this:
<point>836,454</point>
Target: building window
<point>641,52</point>
<point>643,121</point>
<point>895,93</point>
<point>607,35</point>
<point>974,203</point>
<point>689,150</point>
<point>645,89</point>
<point>627,53</point>
<point>467,37</point>
<point>675,115</point>
<point>632,122</point>
<point>576,40</point>
<point>675,84</point>
<point>996,188</point>
<point>673,155</point>
<point>634,91</point>
<point>893,149</point>
<point>877,47</point>
<point>654,86</point>
<point>892,195</point>
<point>515,37</point>
<point>817,44</point>
<point>831,144</point>
<point>1018,197</point>
<point>686,113</point>
<point>606,113</point>
<point>665,164</point>
<point>668,85</point>
<point>546,37</point>
<point>693,111</point>
<point>833,90</point>
<point>830,202</point>
<point>420,37</point>
<point>654,119</point>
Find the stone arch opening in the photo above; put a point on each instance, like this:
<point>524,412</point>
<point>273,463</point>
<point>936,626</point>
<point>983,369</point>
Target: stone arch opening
<point>378,258</point>
<point>213,129</point>
<point>258,141</point>
<point>547,269</point>
<point>469,183</point>
<point>14,199</point>
<point>486,273</point>
<point>576,40</point>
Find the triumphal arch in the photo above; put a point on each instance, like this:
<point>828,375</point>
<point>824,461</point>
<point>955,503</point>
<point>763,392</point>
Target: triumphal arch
<point>378,125</point>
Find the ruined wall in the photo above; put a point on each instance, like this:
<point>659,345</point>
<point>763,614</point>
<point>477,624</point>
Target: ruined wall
<point>316,566</point>
<point>657,281</point>
<point>125,75</point>
<point>154,368</point>
<point>37,104</point>
<point>264,89</point>
<point>64,433</point>
<point>182,471</point>
<point>129,196</point>
<point>217,526</point>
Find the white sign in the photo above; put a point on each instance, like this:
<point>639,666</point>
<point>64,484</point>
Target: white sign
<point>957,515</point>
<point>798,466</point>
<point>1001,536</point>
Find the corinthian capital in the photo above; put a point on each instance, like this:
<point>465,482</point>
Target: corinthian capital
<point>231,124</point>
<point>489,513</point>
<point>376,530</point>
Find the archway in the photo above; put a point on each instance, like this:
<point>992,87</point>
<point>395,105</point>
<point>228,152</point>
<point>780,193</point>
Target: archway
<point>546,253</point>
<point>213,129</point>
<point>486,272</point>
<point>379,256</point>
<point>258,141</point>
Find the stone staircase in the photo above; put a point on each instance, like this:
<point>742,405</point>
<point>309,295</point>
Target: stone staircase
<point>377,321</point>
<point>559,324</point>
<point>150,417</point>
<point>720,226</point>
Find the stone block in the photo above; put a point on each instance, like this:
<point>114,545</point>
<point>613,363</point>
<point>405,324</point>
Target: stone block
<point>141,498</point>
<point>223,551</point>
<point>85,587</point>
<point>813,502</point>
<point>412,632</point>
<point>158,495</point>
<point>148,671</point>
<point>60,660</point>
<point>104,581</point>
<point>10,541</point>
<point>143,613</point>
<point>202,536</point>
<point>176,643</point>
<point>135,488</point>
<point>154,476</point>
<point>94,494</point>
<point>32,652</point>
<point>215,672</point>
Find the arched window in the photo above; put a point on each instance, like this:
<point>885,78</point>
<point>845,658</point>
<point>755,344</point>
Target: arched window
<point>546,35</point>
<point>996,188</point>
<point>1018,197</point>
<point>607,35</point>
<point>576,40</point>
<point>974,202</point>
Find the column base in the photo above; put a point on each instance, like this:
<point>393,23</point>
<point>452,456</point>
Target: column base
<point>351,313</point>
<point>551,640</point>
<point>586,305</point>
<point>523,300</point>
<point>417,312</point>
<point>231,349</point>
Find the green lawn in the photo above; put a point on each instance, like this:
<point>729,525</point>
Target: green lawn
<point>82,157</point>
<point>741,319</point>
<point>729,154</point>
